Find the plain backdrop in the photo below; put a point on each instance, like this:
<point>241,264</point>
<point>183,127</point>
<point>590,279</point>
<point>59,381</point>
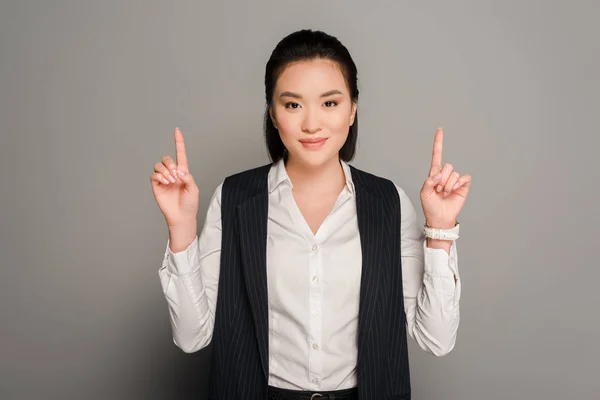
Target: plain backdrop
<point>91,91</point>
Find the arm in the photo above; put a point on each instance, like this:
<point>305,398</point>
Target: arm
<point>189,280</point>
<point>431,285</point>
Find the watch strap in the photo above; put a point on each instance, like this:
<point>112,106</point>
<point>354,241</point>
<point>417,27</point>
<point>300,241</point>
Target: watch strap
<point>442,234</point>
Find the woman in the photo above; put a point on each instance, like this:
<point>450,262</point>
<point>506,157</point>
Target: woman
<point>308,272</point>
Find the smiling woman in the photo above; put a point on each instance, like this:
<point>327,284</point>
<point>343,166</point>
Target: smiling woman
<point>309,274</point>
<point>311,89</point>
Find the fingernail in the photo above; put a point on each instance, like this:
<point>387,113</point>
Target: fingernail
<point>182,173</point>
<point>165,181</point>
<point>445,194</point>
<point>455,186</point>
<point>438,188</point>
<point>172,178</point>
<point>437,176</point>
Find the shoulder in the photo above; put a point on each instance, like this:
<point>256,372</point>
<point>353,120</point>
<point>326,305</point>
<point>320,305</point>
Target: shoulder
<point>381,186</point>
<point>260,171</point>
<point>248,179</point>
<point>243,185</point>
<point>238,181</point>
<point>378,185</point>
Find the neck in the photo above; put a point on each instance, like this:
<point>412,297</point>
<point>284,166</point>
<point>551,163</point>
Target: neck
<point>319,179</point>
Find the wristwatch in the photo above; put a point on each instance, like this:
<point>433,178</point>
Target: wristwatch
<point>442,234</point>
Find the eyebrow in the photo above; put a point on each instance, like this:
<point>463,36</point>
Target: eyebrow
<point>297,96</point>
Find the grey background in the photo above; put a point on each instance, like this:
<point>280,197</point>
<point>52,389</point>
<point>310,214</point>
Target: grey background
<point>90,93</point>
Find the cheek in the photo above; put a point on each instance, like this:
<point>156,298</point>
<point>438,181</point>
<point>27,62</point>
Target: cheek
<point>338,122</point>
<point>289,125</point>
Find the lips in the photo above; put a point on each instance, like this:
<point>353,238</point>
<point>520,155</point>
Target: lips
<point>313,143</point>
<point>313,140</point>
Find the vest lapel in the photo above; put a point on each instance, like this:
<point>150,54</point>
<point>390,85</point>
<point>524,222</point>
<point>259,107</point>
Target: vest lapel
<point>371,225</point>
<point>252,219</point>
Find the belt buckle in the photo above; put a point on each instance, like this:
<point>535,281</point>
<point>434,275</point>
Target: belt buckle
<point>316,395</point>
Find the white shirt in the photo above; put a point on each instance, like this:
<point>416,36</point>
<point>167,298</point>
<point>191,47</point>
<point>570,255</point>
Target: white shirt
<point>313,286</point>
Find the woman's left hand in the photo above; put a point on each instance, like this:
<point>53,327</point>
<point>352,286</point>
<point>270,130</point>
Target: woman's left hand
<point>444,192</point>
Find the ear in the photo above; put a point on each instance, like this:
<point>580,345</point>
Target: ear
<point>353,113</point>
<point>272,117</point>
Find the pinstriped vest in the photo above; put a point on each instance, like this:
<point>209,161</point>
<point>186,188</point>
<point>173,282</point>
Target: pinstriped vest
<point>240,361</point>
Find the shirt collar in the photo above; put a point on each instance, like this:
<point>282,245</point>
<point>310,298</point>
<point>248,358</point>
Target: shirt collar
<point>278,175</point>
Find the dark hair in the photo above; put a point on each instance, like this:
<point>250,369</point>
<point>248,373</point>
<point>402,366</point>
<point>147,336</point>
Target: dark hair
<point>307,45</point>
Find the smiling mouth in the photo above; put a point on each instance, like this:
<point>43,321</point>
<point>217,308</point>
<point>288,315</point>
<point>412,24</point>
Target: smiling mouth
<point>319,140</point>
<point>313,143</point>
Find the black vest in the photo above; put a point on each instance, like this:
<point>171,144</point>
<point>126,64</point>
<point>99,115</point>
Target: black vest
<point>240,359</point>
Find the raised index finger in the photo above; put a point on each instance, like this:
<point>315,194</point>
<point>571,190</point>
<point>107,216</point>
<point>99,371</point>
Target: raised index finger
<point>181,155</point>
<point>436,157</point>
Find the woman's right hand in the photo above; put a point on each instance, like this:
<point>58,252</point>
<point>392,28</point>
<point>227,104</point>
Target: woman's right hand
<point>174,188</point>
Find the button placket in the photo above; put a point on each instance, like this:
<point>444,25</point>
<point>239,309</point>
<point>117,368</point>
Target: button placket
<point>315,324</point>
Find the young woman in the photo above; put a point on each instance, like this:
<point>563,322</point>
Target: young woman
<point>309,273</point>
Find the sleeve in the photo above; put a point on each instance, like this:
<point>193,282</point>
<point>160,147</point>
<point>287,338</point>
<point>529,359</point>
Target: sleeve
<point>431,285</point>
<point>189,281</point>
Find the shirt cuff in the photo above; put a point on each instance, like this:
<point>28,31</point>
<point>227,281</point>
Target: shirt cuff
<point>183,262</point>
<point>438,262</point>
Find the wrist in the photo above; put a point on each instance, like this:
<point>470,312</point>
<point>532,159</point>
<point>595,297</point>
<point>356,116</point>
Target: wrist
<point>180,238</point>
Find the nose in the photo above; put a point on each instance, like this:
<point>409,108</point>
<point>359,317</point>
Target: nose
<point>310,124</point>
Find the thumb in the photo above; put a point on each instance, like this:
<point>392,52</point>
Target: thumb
<point>430,184</point>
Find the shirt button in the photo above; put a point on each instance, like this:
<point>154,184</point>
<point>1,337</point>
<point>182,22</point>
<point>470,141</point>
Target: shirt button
<point>315,247</point>
<point>315,346</point>
<point>314,380</point>
<point>315,312</point>
<point>315,278</point>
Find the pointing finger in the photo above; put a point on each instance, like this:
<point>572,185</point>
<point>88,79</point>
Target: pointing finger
<point>181,155</point>
<point>436,157</point>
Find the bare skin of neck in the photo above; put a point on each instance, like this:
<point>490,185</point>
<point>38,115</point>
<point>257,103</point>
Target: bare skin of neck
<point>324,179</point>
<point>316,190</point>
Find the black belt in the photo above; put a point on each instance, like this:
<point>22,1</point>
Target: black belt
<point>275,393</point>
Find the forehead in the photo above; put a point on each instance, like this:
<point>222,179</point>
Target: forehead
<point>311,76</point>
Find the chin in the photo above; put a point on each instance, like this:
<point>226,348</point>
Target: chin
<point>315,159</point>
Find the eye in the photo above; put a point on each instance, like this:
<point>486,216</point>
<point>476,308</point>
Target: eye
<point>291,104</point>
<point>331,103</point>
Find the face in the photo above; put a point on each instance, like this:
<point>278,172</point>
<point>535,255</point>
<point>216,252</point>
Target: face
<point>312,111</point>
